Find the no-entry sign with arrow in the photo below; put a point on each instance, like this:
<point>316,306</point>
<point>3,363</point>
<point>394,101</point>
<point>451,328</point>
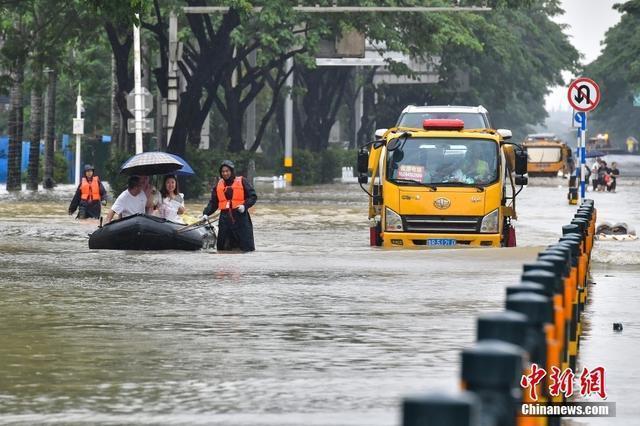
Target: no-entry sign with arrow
<point>584,94</point>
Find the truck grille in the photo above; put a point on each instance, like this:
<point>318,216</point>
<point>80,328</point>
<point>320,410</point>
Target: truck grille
<point>442,224</point>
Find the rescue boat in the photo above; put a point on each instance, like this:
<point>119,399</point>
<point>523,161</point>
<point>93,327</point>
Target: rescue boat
<point>145,232</point>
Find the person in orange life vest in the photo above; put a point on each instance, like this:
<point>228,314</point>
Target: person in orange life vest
<point>233,196</point>
<point>88,196</point>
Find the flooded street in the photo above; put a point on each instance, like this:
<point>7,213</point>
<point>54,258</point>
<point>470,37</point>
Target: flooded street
<point>314,328</point>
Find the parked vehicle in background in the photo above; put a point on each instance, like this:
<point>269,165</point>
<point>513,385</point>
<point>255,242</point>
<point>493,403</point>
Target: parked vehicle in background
<point>547,155</point>
<point>473,117</point>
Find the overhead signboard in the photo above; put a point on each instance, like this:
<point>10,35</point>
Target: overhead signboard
<point>583,94</point>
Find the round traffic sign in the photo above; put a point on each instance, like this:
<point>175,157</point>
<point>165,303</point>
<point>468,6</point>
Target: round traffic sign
<point>584,94</point>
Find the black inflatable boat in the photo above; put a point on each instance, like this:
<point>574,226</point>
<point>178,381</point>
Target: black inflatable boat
<point>144,232</point>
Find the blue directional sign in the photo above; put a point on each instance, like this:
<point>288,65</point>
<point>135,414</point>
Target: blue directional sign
<point>581,119</point>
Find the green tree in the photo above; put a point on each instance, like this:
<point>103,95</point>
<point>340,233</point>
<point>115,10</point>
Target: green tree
<point>523,54</point>
<point>617,72</point>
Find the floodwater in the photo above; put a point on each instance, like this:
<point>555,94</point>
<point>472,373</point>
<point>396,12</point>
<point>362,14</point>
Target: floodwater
<point>314,328</point>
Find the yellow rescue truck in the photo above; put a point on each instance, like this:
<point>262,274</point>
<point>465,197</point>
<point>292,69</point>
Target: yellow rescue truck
<point>547,155</point>
<point>442,185</point>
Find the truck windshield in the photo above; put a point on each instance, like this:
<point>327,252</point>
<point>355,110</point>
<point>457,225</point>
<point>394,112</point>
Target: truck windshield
<point>544,155</point>
<point>444,161</point>
<point>415,119</point>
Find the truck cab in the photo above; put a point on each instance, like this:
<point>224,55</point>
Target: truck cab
<point>442,185</point>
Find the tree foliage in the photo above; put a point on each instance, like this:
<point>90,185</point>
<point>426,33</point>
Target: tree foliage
<point>617,72</point>
<point>523,54</point>
<point>510,56</point>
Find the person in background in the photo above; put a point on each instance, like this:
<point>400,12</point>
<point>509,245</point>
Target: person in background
<point>614,172</point>
<point>150,192</point>
<point>233,196</point>
<point>170,202</point>
<point>89,195</point>
<point>603,175</point>
<point>594,174</point>
<point>132,201</point>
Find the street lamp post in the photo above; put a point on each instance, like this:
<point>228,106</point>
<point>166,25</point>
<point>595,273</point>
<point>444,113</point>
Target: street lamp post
<point>78,130</point>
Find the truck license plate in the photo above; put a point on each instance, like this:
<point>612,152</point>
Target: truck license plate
<point>441,242</point>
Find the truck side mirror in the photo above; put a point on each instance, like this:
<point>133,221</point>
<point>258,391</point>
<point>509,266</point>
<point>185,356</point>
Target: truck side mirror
<point>363,165</point>
<point>363,161</point>
<point>521,180</point>
<point>505,133</point>
<point>380,132</point>
<point>521,161</point>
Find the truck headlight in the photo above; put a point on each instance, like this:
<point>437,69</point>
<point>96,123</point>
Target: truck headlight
<point>393,221</point>
<point>490,222</point>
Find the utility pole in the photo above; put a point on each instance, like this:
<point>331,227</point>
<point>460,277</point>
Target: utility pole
<point>78,130</point>
<point>172,95</point>
<point>137,79</point>
<point>288,124</point>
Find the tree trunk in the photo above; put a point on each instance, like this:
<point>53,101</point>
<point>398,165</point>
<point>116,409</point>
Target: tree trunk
<point>15,132</point>
<point>366,130</point>
<point>325,91</point>
<point>235,123</point>
<point>50,130</point>
<point>124,78</point>
<point>36,135</point>
<point>202,69</point>
<point>161,136</point>
<point>116,138</point>
<point>184,130</point>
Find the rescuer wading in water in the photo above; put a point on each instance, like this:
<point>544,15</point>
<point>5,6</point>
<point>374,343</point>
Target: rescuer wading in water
<point>233,196</point>
<point>89,194</point>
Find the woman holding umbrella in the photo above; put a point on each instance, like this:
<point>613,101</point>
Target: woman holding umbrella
<point>233,196</point>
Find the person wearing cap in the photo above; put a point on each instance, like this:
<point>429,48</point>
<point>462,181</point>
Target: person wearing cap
<point>233,196</point>
<point>89,194</point>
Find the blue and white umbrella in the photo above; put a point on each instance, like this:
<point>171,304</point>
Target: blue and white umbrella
<point>151,163</point>
<point>186,169</point>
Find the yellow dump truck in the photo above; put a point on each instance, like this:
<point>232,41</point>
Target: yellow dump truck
<point>547,155</point>
<point>442,185</point>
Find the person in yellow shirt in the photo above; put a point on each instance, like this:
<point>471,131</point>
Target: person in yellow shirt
<point>476,168</point>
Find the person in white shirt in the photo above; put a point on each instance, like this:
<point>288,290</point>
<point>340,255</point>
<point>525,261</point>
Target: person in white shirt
<point>170,202</point>
<point>130,202</point>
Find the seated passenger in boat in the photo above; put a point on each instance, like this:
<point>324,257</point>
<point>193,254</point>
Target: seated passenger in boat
<point>132,201</point>
<point>170,202</point>
<point>150,192</point>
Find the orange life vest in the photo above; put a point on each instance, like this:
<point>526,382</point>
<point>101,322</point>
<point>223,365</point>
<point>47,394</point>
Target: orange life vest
<point>90,191</point>
<point>238,194</point>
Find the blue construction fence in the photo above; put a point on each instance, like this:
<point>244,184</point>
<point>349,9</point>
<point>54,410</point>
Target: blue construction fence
<point>67,151</point>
